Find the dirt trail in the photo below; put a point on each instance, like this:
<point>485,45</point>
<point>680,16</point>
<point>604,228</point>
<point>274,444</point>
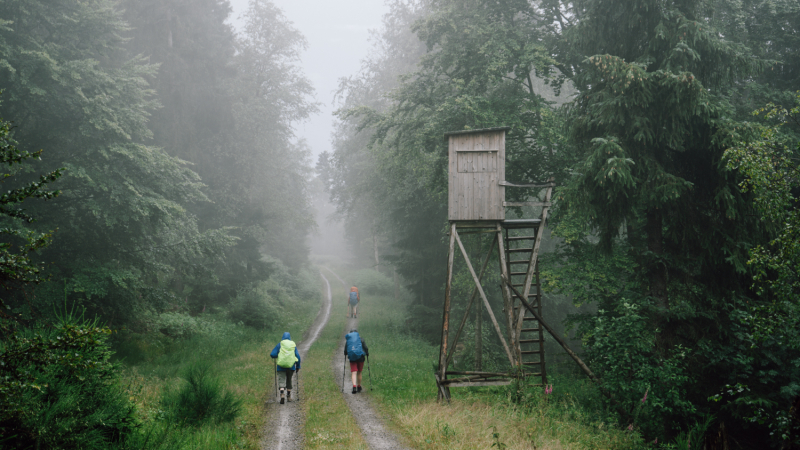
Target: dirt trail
<point>368,419</point>
<point>285,422</point>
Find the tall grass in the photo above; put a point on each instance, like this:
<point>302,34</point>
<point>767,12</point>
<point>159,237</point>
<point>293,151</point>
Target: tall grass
<point>403,386</point>
<point>237,362</point>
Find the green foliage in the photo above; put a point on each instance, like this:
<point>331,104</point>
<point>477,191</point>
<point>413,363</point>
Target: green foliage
<point>372,282</point>
<point>16,264</point>
<point>59,389</point>
<point>648,385</point>
<point>255,307</point>
<point>201,398</point>
<point>771,165</point>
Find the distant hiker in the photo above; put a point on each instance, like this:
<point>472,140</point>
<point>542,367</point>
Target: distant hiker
<point>288,361</point>
<point>352,302</point>
<point>355,349</point>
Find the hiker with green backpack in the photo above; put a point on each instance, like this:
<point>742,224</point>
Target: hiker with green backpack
<point>288,362</point>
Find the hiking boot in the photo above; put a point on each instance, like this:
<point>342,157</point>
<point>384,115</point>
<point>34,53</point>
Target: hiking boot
<point>359,389</point>
<point>289,396</point>
<point>355,390</point>
<point>282,400</point>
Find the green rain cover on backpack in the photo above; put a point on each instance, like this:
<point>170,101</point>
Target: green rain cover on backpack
<point>286,358</point>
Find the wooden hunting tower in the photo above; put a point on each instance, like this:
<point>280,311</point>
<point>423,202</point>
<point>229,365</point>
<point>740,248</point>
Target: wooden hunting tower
<point>477,166</point>
<point>476,204</point>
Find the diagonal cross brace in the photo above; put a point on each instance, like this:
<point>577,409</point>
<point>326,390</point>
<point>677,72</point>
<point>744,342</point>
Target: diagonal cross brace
<point>483,296</point>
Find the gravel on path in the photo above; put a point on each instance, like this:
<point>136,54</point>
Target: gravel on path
<point>284,427</point>
<point>368,419</point>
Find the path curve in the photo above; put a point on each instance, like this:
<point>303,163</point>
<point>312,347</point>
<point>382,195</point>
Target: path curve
<point>289,416</point>
<point>377,436</point>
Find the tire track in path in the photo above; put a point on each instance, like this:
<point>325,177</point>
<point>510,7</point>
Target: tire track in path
<point>289,416</point>
<point>378,437</point>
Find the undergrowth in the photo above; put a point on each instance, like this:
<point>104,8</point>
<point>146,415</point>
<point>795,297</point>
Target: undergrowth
<point>513,417</point>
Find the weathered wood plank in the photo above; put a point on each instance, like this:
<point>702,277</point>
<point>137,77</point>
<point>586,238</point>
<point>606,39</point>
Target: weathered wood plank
<point>549,329</point>
<point>527,204</point>
<point>446,313</point>
<point>506,183</point>
<point>480,384</point>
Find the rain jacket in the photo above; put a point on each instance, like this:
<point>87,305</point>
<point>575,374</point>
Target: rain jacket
<point>277,349</point>
<point>363,347</point>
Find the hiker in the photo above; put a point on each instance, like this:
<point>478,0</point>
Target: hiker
<point>288,362</point>
<point>352,302</point>
<point>355,349</point>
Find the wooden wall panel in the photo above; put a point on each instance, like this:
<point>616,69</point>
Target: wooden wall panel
<point>476,167</point>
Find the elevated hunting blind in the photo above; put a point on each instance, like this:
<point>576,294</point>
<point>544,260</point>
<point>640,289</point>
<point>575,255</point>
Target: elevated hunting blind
<point>476,205</point>
<point>477,165</point>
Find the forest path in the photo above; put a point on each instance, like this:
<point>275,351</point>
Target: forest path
<point>287,433</point>
<point>377,436</point>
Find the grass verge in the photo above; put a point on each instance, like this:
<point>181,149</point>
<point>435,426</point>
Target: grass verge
<point>404,388</point>
<point>329,423</point>
<point>239,357</point>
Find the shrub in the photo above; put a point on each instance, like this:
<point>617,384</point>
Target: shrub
<point>373,282</point>
<point>255,307</point>
<point>177,325</point>
<point>201,399</point>
<point>59,390</point>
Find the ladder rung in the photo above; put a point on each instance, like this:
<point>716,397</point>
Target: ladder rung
<point>533,364</point>
<point>519,238</point>
<point>518,273</point>
<point>529,318</point>
<point>531,352</point>
<point>517,250</point>
<point>528,341</point>
<point>530,330</point>
<point>520,262</point>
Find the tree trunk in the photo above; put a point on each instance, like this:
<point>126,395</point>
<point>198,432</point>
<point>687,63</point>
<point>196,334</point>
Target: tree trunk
<point>657,270</point>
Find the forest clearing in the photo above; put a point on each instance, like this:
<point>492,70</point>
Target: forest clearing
<point>396,224</point>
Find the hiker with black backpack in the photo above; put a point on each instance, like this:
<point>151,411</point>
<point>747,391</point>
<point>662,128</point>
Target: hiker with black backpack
<point>355,349</point>
<point>352,302</point>
<point>288,362</point>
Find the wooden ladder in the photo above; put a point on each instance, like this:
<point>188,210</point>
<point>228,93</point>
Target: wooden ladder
<point>529,333</point>
<point>523,239</point>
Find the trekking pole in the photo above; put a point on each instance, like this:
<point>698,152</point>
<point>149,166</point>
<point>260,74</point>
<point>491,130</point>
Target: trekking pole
<point>275,376</point>
<point>369,371</point>
<point>343,370</point>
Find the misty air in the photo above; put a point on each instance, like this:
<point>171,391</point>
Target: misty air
<point>400,224</point>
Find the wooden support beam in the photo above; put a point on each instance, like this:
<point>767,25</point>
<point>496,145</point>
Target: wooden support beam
<point>480,384</point>
<point>446,313</point>
<point>549,184</point>
<point>527,204</point>
<point>507,300</point>
<point>552,333</point>
<point>534,257</point>
<point>469,306</point>
<point>485,300</point>
<point>484,374</point>
<point>444,391</point>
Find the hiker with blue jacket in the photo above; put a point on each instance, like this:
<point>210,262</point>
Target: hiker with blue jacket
<point>288,362</point>
<point>355,349</point>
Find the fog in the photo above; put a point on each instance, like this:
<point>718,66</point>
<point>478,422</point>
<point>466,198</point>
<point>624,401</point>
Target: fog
<point>337,33</point>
